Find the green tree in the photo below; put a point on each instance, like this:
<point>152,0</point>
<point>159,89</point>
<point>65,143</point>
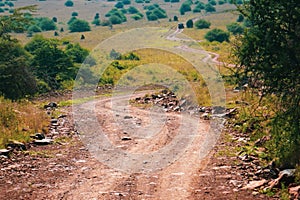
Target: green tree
<point>235,28</point>
<point>209,8</point>
<point>269,58</point>
<point>190,23</point>
<point>79,25</point>
<point>76,53</point>
<point>185,7</point>
<point>45,23</point>
<point>217,35</point>
<point>69,3</point>
<point>16,81</point>
<point>50,63</point>
<point>202,24</point>
<point>119,4</point>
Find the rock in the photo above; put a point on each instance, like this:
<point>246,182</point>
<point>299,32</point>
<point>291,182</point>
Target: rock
<point>38,136</point>
<point>205,116</point>
<point>126,138</point>
<point>44,141</point>
<point>53,121</point>
<point>294,192</point>
<point>4,152</point>
<point>16,145</point>
<point>287,173</point>
<point>254,184</point>
<point>50,105</point>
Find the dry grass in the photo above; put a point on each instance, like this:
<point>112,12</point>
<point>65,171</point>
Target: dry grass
<point>19,120</point>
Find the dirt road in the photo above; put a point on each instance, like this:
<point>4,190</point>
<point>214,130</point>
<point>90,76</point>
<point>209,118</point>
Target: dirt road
<point>143,177</point>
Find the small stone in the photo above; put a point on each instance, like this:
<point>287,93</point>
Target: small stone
<point>126,138</point>
<point>254,184</point>
<point>45,141</point>
<point>4,152</point>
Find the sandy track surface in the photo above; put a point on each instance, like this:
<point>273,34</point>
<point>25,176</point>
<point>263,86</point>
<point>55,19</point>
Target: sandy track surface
<point>102,180</point>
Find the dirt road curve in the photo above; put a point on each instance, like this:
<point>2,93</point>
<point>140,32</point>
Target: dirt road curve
<point>98,180</point>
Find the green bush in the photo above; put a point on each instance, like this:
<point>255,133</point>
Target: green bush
<point>74,14</point>
<point>69,3</point>
<point>217,35</point>
<point>202,24</point>
<point>79,25</point>
<point>235,28</point>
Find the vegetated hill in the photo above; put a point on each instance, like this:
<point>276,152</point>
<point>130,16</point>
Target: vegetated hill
<point>88,8</point>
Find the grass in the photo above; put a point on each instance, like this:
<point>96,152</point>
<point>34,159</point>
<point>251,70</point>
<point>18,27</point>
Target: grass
<point>19,120</point>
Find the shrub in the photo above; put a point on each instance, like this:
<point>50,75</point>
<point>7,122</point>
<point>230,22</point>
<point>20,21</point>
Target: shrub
<point>190,23</point>
<point>79,25</point>
<point>210,8</point>
<point>202,24</point>
<point>119,4</point>
<point>69,3</point>
<point>45,23</point>
<point>74,14</point>
<point>235,28</point>
<point>34,29</point>
<point>217,35</point>
<point>96,22</point>
<point>133,10</point>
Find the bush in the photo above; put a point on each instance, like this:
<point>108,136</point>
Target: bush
<point>209,8</point>
<point>126,2</point>
<point>69,3</point>
<point>132,10</point>
<point>119,4</point>
<point>175,18</point>
<point>45,23</point>
<point>217,35</point>
<point>202,24</point>
<point>114,19</point>
<point>34,29</point>
<point>240,18</point>
<point>235,28</point>
<point>74,14</point>
<point>190,23</point>
<point>185,7</point>
<point>54,19</point>
<point>79,25</point>
<point>96,22</point>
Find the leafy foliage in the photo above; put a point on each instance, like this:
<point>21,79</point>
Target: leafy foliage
<point>235,28</point>
<point>79,25</point>
<point>202,24</point>
<point>269,58</point>
<point>217,35</point>
<point>49,63</point>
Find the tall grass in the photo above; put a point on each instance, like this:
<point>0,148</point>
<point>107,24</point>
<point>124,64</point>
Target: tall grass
<point>19,120</point>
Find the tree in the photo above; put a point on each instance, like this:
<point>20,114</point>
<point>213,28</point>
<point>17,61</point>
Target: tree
<point>209,8</point>
<point>190,23</point>
<point>50,63</point>
<point>217,35</point>
<point>269,58</point>
<point>76,53</point>
<point>202,24</point>
<point>235,28</point>
<point>133,10</point>
<point>45,23</point>
<point>119,4</point>
<point>175,18</point>
<point>96,22</point>
<point>185,7</point>
<point>79,25</point>
<point>54,19</point>
<point>74,14</point>
<point>16,80</point>
<point>69,3</point>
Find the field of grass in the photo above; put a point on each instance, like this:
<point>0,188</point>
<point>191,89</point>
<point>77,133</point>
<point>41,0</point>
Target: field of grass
<point>19,120</point>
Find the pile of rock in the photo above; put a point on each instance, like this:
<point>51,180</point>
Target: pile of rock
<point>170,103</point>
